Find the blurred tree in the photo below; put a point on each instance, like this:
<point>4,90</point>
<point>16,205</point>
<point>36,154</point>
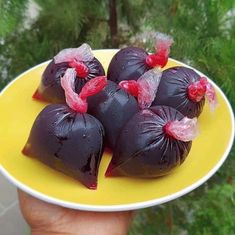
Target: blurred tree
<point>195,214</point>
<point>60,24</point>
<point>11,13</point>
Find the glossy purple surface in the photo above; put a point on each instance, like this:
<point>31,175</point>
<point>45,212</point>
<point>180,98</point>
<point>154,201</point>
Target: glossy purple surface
<point>143,148</point>
<point>128,64</point>
<point>172,91</point>
<point>113,107</point>
<point>67,141</point>
<point>50,89</point>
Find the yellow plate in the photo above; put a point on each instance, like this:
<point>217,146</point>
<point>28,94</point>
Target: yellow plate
<point>18,112</point>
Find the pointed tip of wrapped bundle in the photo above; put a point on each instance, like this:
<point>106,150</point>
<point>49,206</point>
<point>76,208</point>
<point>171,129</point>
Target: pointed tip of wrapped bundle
<point>92,186</point>
<point>26,150</point>
<point>112,171</point>
<point>37,96</point>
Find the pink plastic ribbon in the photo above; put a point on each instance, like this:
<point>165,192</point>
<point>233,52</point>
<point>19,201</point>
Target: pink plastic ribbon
<point>184,130</point>
<point>200,89</point>
<point>148,85</point>
<point>79,102</point>
<point>82,53</point>
<point>145,88</point>
<point>162,51</point>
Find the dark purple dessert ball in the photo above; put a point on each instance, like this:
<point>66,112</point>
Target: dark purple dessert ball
<point>67,141</point>
<point>128,64</point>
<point>183,89</point>
<point>50,89</point>
<point>65,137</point>
<point>145,148</point>
<point>132,62</point>
<point>113,107</point>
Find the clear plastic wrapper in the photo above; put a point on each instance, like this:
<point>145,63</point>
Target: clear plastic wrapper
<point>185,90</point>
<point>152,144</point>
<point>66,138</point>
<point>113,107</point>
<point>145,88</point>
<point>132,62</point>
<point>81,59</point>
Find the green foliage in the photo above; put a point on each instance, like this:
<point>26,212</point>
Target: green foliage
<point>204,214</point>
<point>60,24</point>
<point>130,10</point>
<point>204,35</point>
<point>66,24</point>
<point>204,219</point>
<point>11,13</point>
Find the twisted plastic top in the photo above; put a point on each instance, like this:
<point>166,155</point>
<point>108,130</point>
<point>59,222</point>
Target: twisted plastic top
<point>200,89</point>
<point>145,88</point>
<point>162,51</point>
<point>184,130</point>
<point>79,102</point>
<point>76,57</point>
<point>82,53</point>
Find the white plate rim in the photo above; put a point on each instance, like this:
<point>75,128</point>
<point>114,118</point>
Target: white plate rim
<point>129,206</point>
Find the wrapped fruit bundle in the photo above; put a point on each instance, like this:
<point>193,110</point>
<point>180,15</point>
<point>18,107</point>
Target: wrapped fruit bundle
<point>132,62</point>
<point>116,104</point>
<point>65,137</point>
<point>185,90</point>
<point>81,59</point>
<point>153,143</point>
